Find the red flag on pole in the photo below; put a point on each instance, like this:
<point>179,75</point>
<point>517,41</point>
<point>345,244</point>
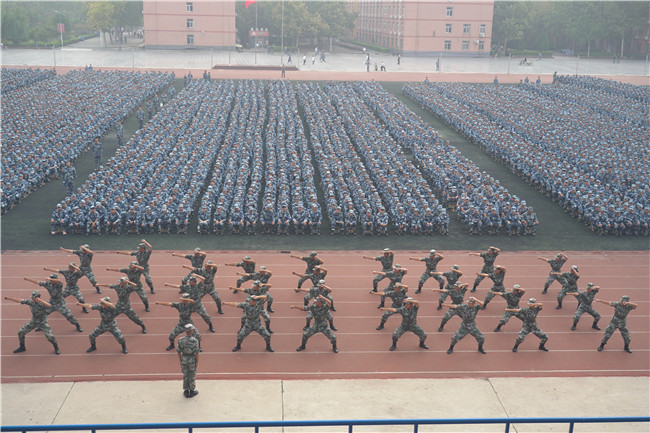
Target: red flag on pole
<point>248,3</point>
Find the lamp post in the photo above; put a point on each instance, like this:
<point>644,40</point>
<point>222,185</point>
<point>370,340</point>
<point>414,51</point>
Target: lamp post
<point>60,27</point>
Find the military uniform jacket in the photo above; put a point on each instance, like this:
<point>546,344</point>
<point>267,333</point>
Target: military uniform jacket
<point>512,299</point>
<point>386,262</point>
<point>488,262</point>
<point>132,274</point>
<point>142,256</point>
<point>621,311</point>
<point>188,347</point>
<point>586,298</point>
<point>71,277</point>
<point>84,258</point>
<point>452,277</point>
<point>556,264</point>
<point>196,261</point>
<point>409,316</point>
<point>397,297</point>
<point>529,316</point>
<point>39,312</point>
<point>185,311</point>
<point>467,313</point>
<point>108,315</point>
<point>431,262</point>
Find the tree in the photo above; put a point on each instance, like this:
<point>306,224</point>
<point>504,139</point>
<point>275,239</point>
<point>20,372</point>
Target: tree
<point>335,18</point>
<point>15,24</point>
<point>510,20</point>
<point>103,15</point>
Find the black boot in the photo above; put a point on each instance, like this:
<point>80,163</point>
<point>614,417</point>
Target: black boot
<point>193,393</point>
<point>480,349</point>
<point>78,326</point>
<point>575,323</point>
<point>21,348</point>
<point>186,393</point>
<point>334,348</point>
<point>595,325</point>
<point>84,309</point>
<point>152,290</point>
<point>545,290</point>
<point>268,346</point>
<point>268,328</point>
<point>441,327</point>
<point>98,289</point>
<point>394,346</point>
<point>498,328</point>
<point>627,348</point>
<point>124,351</point>
<point>381,326</point>
<point>332,327</point>
<point>473,288</point>
<point>514,349</point>
<point>559,305</point>
<point>484,305</point>
<point>422,345</point>
<point>237,347</point>
<point>601,347</point>
<point>439,306</point>
<point>144,329</point>
<point>451,349</point>
<point>92,348</point>
<point>56,348</point>
<point>419,289</point>
<point>146,307</point>
<point>542,347</point>
<point>171,345</point>
<point>307,325</point>
<point>211,328</point>
<point>302,345</point>
<point>269,309</point>
<point>332,307</point>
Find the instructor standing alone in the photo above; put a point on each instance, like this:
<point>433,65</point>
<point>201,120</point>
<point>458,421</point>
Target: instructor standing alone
<point>188,353</point>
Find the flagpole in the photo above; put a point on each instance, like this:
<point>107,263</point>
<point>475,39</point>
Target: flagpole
<point>282,36</point>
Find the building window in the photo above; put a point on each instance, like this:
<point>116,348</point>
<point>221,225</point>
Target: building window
<point>189,7</point>
<point>465,45</point>
<point>190,23</point>
<point>450,11</point>
<point>447,45</point>
<point>481,30</point>
<point>481,45</point>
<point>467,28</point>
<point>447,28</point>
<point>190,39</point>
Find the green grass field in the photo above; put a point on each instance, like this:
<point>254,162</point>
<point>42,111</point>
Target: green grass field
<point>26,227</point>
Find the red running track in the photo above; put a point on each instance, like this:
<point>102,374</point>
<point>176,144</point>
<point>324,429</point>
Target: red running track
<point>363,350</point>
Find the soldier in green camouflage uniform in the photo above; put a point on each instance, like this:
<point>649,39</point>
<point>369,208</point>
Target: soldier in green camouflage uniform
<point>386,260</point>
<point>40,310</point>
<point>72,276</point>
<point>556,267</point>
<point>188,353</point>
<point>570,284</point>
<point>185,309</point>
<point>398,294</point>
<point>619,321</point>
<point>124,289</point>
<point>395,276</point>
<point>497,278</point>
<point>319,310</point>
<point>55,288</point>
<point>409,312</point>
<point>467,312</point>
<point>108,313</point>
<point>142,256</point>
<point>208,272</point>
<point>457,295</point>
<point>585,300</point>
<point>512,300</point>
<point>488,257</point>
<point>195,291</point>
<point>256,290</point>
<point>452,277</point>
<point>431,263</point>
<point>248,265</point>
<point>252,309</point>
<point>85,259</point>
<point>134,274</point>
<point>196,260</point>
<point>312,260</point>
<point>528,316</point>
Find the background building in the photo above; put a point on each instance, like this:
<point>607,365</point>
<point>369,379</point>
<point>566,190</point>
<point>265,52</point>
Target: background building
<point>453,27</point>
<point>170,24</point>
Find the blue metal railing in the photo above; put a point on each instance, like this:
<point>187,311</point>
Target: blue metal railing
<point>257,425</point>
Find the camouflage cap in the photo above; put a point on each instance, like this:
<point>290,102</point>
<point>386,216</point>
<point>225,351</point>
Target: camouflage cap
<point>625,298</point>
<point>432,252</point>
<point>313,253</point>
<point>185,295</point>
<point>106,299</point>
<point>321,282</point>
<point>532,301</point>
<point>36,294</point>
<point>54,276</point>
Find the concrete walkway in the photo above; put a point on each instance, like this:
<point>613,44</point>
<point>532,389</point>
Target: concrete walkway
<point>273,400</point>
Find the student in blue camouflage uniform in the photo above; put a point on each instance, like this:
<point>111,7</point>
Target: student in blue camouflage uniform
<point>108,314</point>
<point>300,220</point>
<point>431,263</point>
<point>252,310</point>
<point>77,221</point>
<point>93,222</point>
<point>319,309</point>
<point>488,257</point>
<point>113,221</point>
<point>134,274</point>
<point>124,288</point>
<point>619,321</point>
<point>188,353</point>
<point>185,309</point>
<point>72,276</point>
<point>119,133</point>
<point>457,295</point>
<point>54,286</point>
<point>68,174</point>
<point>85,259</point>
<point>528,316</point>
<point>397,294</point>
<point>386,260</point>
<point>40,310</point>
<point>497,278</point>
<point>585,300</point>
<point>142,255</point>
<point>314,219</point>
<point>284,220</point>
<point>556,267</point>
<point>312,260</point>
<point>409,312</point>
<point>512,301</point>
<point>97,152</point>
<point>59,220</point>
<point>203,226</point>
<point>570,284</point>
<point>467,312</point>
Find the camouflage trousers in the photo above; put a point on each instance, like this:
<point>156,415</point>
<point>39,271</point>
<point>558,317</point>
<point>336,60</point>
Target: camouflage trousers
<point>130,313</point>
<point>320,326</point>
<point>506,316</point>
<point>615,324</point>
<point>552,278</point>
<point>60,306</point>
<point>425,276</point>
<point>31,325</point>
<point>188,367</point>
<point>448,315</point>
<point>467,329</point>
<point>534,329</point>
<point>582,309</point>
<point>88,272</point>
<point>73,291</point>
<point>250,327</point>
<point>113,329</point>
<point>147,276</point>
<point>416,329</point>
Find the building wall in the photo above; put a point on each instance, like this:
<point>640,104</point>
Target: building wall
<point>425,27</point>
<point>167,25</point>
